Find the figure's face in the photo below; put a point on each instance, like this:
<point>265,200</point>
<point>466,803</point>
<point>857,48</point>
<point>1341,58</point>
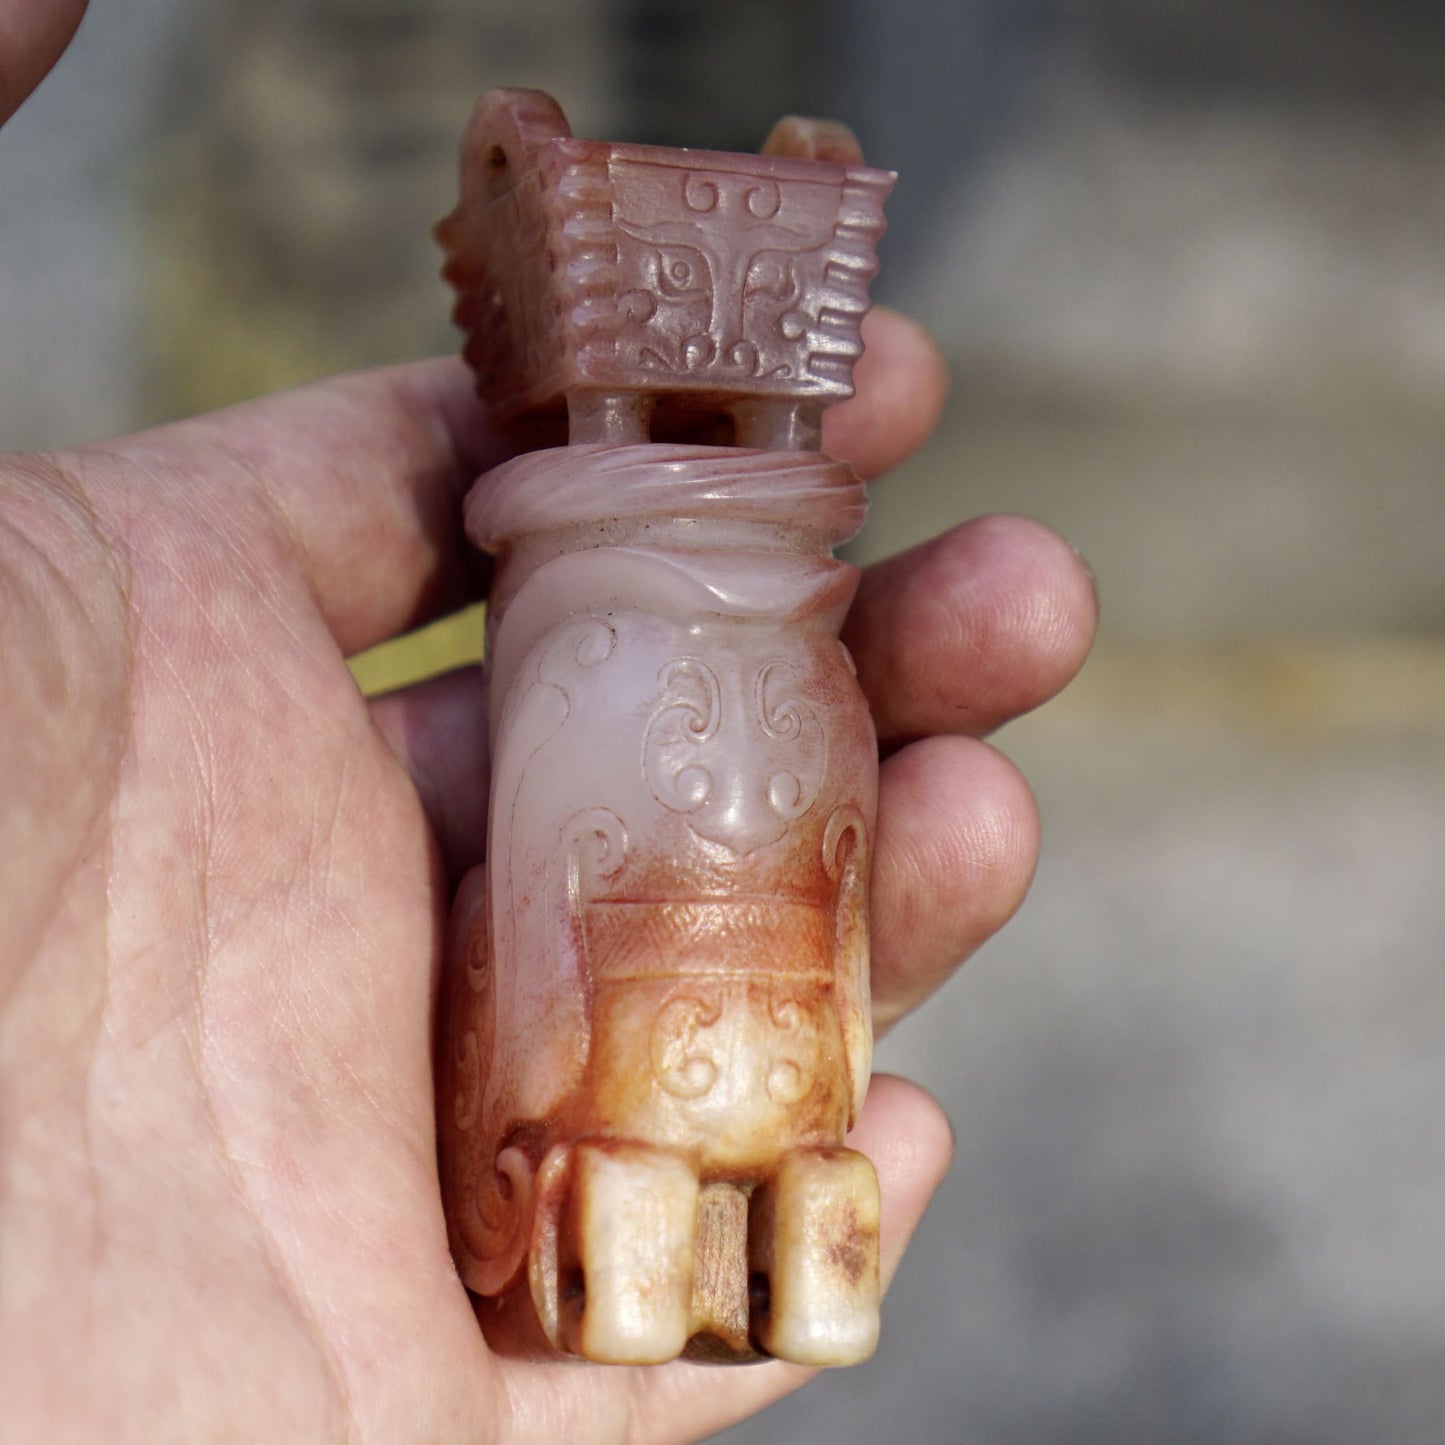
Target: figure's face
<point>722,278</point>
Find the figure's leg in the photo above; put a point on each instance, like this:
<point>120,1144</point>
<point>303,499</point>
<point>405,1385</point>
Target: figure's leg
<point>618,417</point>
<point>629,1229</point>
<point>776,424</point>
<point>813,1252</point>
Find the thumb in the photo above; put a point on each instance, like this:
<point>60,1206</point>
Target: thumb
<point>33,33</point>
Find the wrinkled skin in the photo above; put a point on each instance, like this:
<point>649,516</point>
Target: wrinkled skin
<point>226,874</point>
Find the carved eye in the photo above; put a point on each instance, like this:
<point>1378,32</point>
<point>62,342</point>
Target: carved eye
<point>768,274</point>
<point>680,272</point>
<point>773,275</point>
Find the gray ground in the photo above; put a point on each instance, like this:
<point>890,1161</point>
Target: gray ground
<point>1195,290</point>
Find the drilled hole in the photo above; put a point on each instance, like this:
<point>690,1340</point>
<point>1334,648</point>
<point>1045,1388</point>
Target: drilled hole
<point>760,1295</point>
<point>573,1289</point>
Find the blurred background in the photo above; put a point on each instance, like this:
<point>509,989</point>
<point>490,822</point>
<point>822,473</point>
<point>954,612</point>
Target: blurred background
<point>1188,259</point>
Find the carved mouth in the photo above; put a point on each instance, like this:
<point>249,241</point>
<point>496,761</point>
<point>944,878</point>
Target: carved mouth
<point>700,356</point>
<point>719,937</point>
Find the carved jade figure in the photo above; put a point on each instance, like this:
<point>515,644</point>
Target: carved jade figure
<point>656,1024</point>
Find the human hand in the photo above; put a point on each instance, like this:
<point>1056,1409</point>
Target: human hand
<point>226,887</point>
<point>227,875</point>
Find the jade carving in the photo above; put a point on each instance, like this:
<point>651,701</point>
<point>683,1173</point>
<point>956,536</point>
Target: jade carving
<point>655,1024</point>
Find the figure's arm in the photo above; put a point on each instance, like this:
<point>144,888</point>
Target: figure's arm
<point>847,855</point>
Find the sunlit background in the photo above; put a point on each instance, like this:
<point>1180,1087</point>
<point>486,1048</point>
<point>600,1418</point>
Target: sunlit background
<point>1188,259</point>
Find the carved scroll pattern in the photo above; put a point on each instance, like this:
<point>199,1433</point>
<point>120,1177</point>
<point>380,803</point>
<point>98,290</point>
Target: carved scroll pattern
<point>532,716</point>
<point>742,763</point>
<point>785,717</point>
<point>675,752</point>
<point>684,1068</point>
<point>794,1062</point>
<point>474,1046</point>
<point>594,848</point>
<point>495,1225</point>
<point>499,1231</point>
<point>696,1032</point>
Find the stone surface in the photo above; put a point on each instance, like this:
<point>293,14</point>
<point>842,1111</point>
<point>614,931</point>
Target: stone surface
<point>669,951</point>
<point>657,1030</point>
<point>605,276</point>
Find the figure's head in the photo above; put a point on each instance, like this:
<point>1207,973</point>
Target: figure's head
<point>642,270</point>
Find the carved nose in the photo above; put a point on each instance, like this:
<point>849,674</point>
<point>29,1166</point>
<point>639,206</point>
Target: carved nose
<point>743,356</point>
<point>698,352</point>
<point>743,819</point>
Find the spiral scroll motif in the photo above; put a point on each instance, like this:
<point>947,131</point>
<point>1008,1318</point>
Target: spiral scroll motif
<point>795,1059</point>
<point>595,844</point>
<point>688,716</point>
<point>503,1219</point>
<point>473,1007</point>
<point>684,1068</point>
<point>786,717</point>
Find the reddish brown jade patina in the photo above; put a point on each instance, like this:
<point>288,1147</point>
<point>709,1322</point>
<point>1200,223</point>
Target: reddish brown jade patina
<point>656,1022</point>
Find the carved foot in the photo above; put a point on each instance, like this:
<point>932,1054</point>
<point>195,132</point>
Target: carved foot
<point>813,1253</point>
<point>621,1291</point>
<point>633,1263</point>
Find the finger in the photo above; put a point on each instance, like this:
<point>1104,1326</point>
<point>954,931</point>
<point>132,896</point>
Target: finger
<point>437,730</point>
<point>33,34</point>
<point>997,615</point>
<point>902,383</point>
<point>955,848</point>
<point>362,478</point>
<point>908,1138</point>
<point>363,474</point>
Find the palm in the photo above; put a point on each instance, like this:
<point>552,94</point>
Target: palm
<point>275,869</point>
<point>217,1026</point>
